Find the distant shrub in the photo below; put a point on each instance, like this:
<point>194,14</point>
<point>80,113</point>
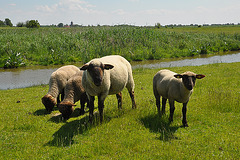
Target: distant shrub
<point>32,24</point>
<point>20,24</point>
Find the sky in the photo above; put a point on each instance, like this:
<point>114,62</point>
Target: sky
<point>113,12</point>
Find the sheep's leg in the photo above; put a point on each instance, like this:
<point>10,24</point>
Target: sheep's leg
<point>82,102</point>
<point>164,100</point>
<point>58,99</point>
<point>91,108</point>
<point>172,108</point>
<point>184,111</point>
<point>133,99</point>
<point>100,107</point>
<point>157,97</point>
<point>119,98</point>
<point>62,95</point>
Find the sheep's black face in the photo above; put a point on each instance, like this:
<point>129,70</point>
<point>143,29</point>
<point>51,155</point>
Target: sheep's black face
<point>96,73</point>
<point>66,110</point>
<point>48,102</point>
<point>189,81</point>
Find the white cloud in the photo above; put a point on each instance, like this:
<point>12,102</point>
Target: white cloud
<point>12,4</point>
<point>120,12</point>
<point>68,5</point>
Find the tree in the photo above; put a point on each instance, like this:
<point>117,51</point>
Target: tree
<point>32,24</point>
<point>8,22</point>
<point>20,24</point>
<point>2,23</point>
<point>60,25</point>
<point>157,25</point>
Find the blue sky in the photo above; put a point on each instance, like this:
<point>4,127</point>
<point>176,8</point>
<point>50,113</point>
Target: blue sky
<point>111,12</point>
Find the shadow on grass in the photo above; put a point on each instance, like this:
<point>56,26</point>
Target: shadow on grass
<point>43,111</point>
<point>57,118</point>
<point>161,125</point>
<point>64,136</point>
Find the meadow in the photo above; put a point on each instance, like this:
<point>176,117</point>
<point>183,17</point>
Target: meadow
<point>28,132</point>
<point>46,46</point>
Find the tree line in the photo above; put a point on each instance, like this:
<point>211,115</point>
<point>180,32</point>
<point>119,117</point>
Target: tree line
<point>29,24</point>
<point>35,24</point>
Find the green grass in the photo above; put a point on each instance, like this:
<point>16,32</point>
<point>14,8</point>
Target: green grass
<point>45,46</point>
<point>27,132</point>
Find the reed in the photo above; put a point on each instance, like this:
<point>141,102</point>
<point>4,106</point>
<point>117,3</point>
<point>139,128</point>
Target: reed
<point>45,46</point>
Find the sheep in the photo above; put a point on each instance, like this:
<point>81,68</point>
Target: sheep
<point>73,92</point>
<point>106,76</point>
<point>57,82</point>
<point>174,87</point>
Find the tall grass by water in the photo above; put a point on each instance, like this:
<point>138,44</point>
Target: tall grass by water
<point>28,132</point>
<point>47,46</point>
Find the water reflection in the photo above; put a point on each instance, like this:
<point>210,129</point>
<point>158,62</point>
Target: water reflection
<point>37,75</point>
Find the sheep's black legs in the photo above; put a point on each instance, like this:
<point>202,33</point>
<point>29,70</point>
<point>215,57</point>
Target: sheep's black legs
<point>164,100</point>
<point>133,100</point>
<point>58,100</point>
<point>172,108</point>
<point>62,96</point>
<point>184,111</point>
<point>119,98</point>
<point>100,108</point>
<point>158,104</point>
<point>82,103</point>
<point>91,108</point>
<point>157,97</point>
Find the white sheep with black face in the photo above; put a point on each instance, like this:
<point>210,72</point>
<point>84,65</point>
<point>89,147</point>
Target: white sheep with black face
<point>106,76</point>
<point>57,83</point>
<point>174,87</point>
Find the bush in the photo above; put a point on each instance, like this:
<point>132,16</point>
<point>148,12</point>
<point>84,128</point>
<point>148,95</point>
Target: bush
<point>14,60</point>
<point>32,24</point>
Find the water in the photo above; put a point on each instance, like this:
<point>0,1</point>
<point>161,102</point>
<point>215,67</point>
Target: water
<point>24,77</point>
<point>37,75</point>
<point>230,58</point>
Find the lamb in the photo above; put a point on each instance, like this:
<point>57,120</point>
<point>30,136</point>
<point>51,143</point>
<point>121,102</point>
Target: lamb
<point>74,92</point>
<point>174,87</point>
<point>57,82</point>
<point>106,76</point>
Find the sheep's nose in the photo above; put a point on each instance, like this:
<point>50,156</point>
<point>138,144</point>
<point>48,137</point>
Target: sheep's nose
<point>98,81</point>
<point>190,87</point>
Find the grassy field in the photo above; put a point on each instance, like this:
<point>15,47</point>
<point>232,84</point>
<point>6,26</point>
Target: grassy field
<point>45,46</point>
<point>27,132</point>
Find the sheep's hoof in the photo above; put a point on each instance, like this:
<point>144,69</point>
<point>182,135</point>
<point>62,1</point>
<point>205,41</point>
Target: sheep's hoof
<point>185,125</point>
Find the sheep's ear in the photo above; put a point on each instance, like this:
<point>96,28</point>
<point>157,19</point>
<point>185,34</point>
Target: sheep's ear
<point>178,76</point>
<point>108,66</point>
<point>84,67</point>
<point>200,76</point>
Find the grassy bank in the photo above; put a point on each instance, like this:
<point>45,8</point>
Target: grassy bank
<point>46,46</point>
<point>27,132</point>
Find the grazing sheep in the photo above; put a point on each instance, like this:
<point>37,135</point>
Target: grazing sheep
<point>106,76</point>
<point>57,82</point>
<point>174,87</point>
<point>73,92</point>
